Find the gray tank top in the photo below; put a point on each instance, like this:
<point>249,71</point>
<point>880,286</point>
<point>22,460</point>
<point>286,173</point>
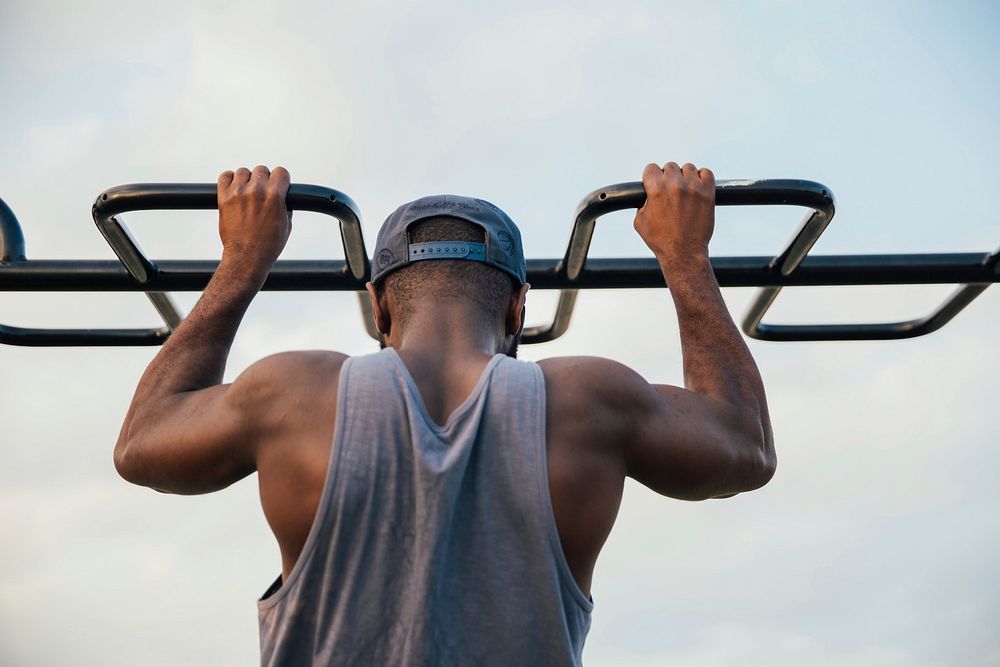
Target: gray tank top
<point>431,545</point>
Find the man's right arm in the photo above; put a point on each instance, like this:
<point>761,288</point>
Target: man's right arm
<point>713,437</point>
<point>677,223</point>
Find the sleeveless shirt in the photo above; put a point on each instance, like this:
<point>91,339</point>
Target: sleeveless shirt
<point>431,545</point>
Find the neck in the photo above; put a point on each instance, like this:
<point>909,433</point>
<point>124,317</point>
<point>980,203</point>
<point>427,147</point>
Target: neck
<point>453,330</point>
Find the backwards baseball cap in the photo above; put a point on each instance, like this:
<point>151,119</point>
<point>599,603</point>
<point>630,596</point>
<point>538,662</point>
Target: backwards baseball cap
<point>502,246</point>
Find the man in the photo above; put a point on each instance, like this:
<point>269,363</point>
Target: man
<point>440,502</point>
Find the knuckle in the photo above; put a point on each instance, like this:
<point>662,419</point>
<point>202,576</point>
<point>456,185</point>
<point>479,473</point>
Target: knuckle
<point>654,187</point>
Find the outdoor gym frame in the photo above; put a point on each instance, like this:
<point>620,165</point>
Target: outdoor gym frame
<point>134,272</point>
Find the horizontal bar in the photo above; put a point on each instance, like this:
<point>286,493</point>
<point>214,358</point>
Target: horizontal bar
<point>27,337</point>
<point>600,273</point>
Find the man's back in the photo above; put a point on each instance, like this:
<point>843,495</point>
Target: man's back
<point>432,543</point>
<point>585,478</point>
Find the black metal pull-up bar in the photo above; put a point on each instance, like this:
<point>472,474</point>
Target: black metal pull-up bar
<point>133,271</point>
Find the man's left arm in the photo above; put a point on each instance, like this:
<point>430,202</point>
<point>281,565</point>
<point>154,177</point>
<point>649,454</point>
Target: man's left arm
<point>184,431</point>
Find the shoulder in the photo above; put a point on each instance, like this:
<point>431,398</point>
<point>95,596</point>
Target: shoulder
<point>600,397</point>
<point>302,364</point>
<point>596,378</point>
<point>270,386</point>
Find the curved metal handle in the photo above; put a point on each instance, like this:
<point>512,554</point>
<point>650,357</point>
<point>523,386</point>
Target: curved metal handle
<point>12,251</point>
<point>944,313</point>
<point>143,271</point>
<point>769,192</point>
<point>762,192</point>
<point>198,196</point>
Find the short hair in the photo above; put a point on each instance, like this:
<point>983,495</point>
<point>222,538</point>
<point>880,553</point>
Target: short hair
<point>450,279</point>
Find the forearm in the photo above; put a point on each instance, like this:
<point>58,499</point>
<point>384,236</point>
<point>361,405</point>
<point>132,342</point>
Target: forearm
<point>717,361</point>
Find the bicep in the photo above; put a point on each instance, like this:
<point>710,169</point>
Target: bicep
<point>674,441</point>
<point>192,442</point>
<point>205,440</point>
<point>202,441</point>
<point>690,446</point>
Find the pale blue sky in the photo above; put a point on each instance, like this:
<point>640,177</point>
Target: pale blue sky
<point>877,541</point>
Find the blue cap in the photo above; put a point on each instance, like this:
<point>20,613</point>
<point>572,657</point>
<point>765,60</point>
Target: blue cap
<point>502,246</point>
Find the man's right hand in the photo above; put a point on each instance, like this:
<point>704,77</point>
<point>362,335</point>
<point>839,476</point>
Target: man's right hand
<point>254,221</point>
<point>678,217</point>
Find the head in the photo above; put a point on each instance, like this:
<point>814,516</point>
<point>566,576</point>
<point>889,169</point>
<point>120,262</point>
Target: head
<point>474,281</point>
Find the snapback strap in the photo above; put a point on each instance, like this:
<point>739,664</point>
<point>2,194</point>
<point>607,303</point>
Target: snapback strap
<point>448,250</point>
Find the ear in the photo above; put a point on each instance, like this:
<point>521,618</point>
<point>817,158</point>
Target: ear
<point>379,308</point>
<point>515,311</point>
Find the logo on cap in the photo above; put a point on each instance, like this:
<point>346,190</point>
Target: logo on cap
<point>384,258</point>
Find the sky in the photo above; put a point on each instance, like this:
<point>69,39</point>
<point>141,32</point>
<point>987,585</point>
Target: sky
<point>877,541</point>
